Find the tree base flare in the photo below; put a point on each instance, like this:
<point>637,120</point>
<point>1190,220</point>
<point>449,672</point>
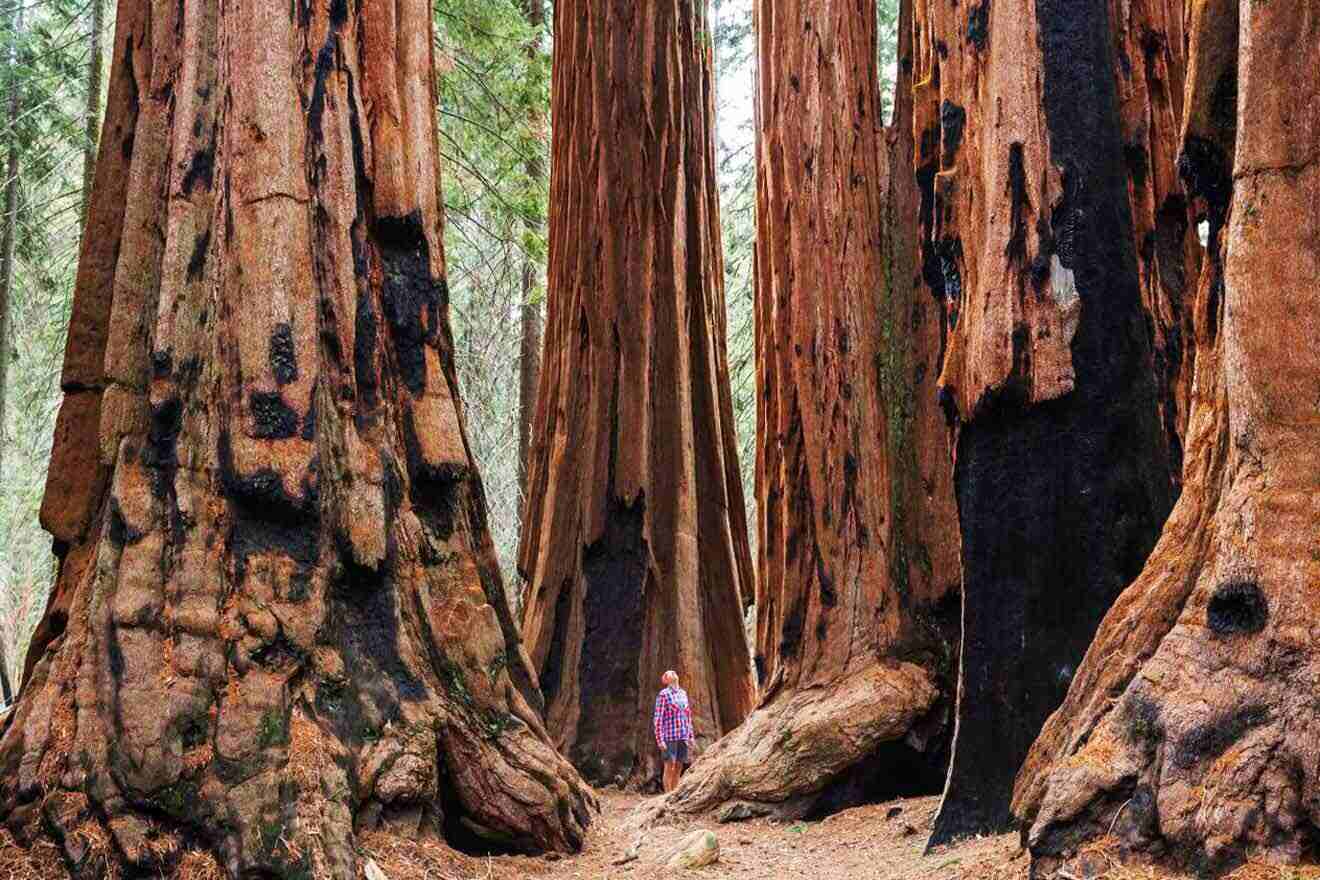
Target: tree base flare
<point>296,796</point>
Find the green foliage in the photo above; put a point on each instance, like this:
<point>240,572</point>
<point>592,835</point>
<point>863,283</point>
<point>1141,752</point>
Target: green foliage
<point>735,73</point>
<point>272,830</point>
<point>494,80</point>
<point>491,722</point>
<point>455,682</point>
<point>495,722</point>
<point>887,51</point>
<point>177,800</point>
<point>44,53</point>
<point>494,98</point>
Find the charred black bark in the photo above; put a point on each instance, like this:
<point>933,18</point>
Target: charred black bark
<point>614,610</point>
<point>5,689</point>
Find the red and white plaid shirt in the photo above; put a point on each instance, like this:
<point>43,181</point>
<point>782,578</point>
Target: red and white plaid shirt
<point>673,716</point>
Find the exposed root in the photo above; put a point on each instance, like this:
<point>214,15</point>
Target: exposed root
<point>787,752</point>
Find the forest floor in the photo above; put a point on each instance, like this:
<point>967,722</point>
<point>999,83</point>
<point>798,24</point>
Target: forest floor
<point>875,842</point>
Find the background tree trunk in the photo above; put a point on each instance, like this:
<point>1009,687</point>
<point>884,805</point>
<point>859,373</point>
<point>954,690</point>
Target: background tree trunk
<point>634,542</point>
<point>1064,473</point>
<point>1191,726</point>
<point>9,225</point>
<point>529,353</point>
<point>278,621</point>
<point>843,671</point>
<point>93,112</point>
<point>529,372</point>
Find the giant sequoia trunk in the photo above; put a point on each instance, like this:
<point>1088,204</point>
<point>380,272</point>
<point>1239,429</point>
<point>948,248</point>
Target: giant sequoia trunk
<point>1064,472</point>
<point>278,621</point>
<point>841,659</point>
<point>635,544</point>
<point>923,551</point>
<point>1191,728</point>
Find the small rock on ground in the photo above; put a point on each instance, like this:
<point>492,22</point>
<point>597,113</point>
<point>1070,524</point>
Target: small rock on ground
<point>630,854</point>
<point>699,848</point>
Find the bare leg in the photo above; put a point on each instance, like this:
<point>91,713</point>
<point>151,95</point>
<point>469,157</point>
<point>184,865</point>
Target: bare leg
<point>671,775</point>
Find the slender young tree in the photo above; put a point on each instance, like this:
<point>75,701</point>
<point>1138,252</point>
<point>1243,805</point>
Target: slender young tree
<point>278,621</point>
<point>1190,729</point>
<point>844,671</point>
<point>529,351</point>
<point>92,114</point>
<point>634,542</point>
<point>1064,472</point>
<point>9,168</point>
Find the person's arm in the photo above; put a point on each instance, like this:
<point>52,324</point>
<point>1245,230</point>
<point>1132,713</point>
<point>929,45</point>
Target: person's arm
<point>661,704</point>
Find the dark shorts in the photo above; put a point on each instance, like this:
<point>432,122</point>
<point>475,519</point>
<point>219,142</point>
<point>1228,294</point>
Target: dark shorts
<point>676,751</point>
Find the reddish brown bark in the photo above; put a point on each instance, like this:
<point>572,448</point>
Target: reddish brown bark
<point>1190,729</point>
<point>842,660</point>
<point>924,557</point>
<point>278,621</point>
<point>1063,469</point>
<point>634,540</point>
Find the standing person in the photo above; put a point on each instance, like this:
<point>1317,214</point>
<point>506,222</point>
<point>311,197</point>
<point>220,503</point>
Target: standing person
<point>673,728</point>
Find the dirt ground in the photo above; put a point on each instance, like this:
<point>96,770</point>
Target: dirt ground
<point>879,842</point>
<point>876,842</point>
